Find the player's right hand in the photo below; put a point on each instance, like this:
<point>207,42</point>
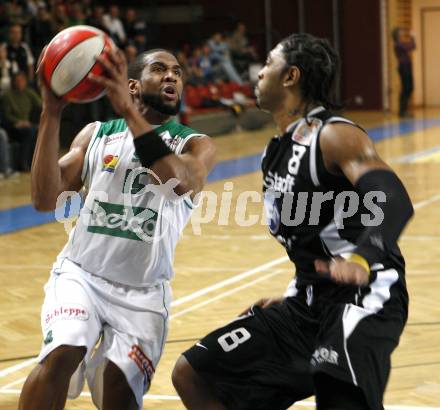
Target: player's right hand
<point>264,303</point>
<point>50,101</point>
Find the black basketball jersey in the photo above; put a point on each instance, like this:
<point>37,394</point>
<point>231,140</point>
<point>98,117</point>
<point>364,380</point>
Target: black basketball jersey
<point>304,201</point>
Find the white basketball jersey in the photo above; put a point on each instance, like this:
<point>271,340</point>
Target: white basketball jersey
<point>128,228</point>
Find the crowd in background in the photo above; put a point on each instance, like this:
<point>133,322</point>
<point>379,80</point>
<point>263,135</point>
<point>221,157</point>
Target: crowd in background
<point>26,26</point>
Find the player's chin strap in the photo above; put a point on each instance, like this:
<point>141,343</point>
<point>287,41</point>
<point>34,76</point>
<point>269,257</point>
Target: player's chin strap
<point>376,242</point>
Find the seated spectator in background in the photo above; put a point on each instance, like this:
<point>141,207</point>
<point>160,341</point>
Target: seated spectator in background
<point>20,105</point>
<point>7,69</point>
<point>87,7</point>
<point>221,55</point>
<point>5,161</point>
<point>133,25</point>
<point>76,15</point>
<point>140,42</point>
<point>241,52</point>
<point>97,18</point>
<point>4,22</point>
<point>60,19</point>
<point>195,73</point>
<point>136,30</point>
<point>41,30</point>
<point>19,13</point>
<point>130,52</point>
<point>114,25</point>
<point>19,52</point>
<point>211,72</point>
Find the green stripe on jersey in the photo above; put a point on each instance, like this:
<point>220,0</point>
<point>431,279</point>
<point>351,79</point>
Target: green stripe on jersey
<point>176,129</point>
<point>112,127</point>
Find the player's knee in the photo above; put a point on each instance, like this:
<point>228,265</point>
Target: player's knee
<point>63,361</point>
<point>114,377</point>
<point>116,387</point>
<point>183,375</point>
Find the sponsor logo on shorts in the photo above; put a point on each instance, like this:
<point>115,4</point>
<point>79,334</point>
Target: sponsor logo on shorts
<point>109,163</point>
<point>65,312</point>
<point>325,355</point>
<point>143,362</point>
<point>49,338</point>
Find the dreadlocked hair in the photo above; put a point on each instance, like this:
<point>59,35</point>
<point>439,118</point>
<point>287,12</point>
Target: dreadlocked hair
<point>318,63</point>
<point>136,67</point>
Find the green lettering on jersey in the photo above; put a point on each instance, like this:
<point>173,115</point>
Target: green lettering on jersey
<point>129,222</point>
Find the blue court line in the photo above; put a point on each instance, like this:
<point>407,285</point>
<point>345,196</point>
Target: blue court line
<point>26,216</point>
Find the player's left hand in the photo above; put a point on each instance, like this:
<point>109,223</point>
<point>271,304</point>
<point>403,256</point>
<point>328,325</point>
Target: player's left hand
<point>342,271</point>
<point>115,81</point>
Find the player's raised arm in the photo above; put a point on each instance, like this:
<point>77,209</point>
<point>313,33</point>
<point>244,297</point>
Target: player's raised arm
<point>51,176</point>
<point>349,150</point>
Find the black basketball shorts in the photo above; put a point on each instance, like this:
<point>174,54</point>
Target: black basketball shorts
<point>267,360</point>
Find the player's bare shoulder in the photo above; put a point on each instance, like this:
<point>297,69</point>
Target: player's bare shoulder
<point>82,139</point>
<point>341,142</point>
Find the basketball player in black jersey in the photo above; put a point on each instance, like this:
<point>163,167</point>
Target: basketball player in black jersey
<point>338,209</point>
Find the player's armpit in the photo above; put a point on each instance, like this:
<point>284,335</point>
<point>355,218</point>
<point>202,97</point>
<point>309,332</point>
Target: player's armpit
<point>71,164</point>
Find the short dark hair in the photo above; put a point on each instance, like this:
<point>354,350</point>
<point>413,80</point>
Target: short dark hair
<point>318,63</point>
<point>136,67</point>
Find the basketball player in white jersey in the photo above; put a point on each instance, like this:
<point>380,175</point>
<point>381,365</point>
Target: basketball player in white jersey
<point>109,287</point>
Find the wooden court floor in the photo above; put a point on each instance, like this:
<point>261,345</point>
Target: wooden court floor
<point>227,267</point>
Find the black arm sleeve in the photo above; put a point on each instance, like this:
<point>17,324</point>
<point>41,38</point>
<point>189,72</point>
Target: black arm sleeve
<point>376,242</point>
<point>150,147</point>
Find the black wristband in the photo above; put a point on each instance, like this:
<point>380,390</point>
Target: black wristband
<point>150,147</point>
<point>377,242</point>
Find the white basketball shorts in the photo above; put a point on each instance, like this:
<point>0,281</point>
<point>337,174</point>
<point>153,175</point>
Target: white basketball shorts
<point>130,324</point>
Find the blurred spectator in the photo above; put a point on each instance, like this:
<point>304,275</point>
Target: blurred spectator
<point>19,52</point>
<point>34,5</point>
<point>133,25</point>
<point>136,30</point>
<point>60,19</point>
<point>40,30</point>
<point>77,16</point>
<point>20,105</point>
<point>130,53</point>
<point>221,55</point>
<point>184,64</point>
<point>87,8</point>
<point>4,22</point>
<point>97,18</point>
<point>403,49</point>
<point>7,69</point>
<point>18,13</point>
<point>195,72</point>
<point>114,25</point>
<point>210,71</point>
<point>242,54</point>
<point>5,161</point>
